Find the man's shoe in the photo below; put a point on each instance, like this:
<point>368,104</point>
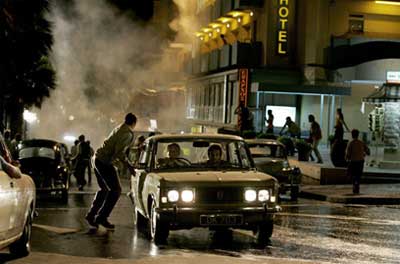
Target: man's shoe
<point>106,224</point>
<point>91,221</point>
<point>80,188</point>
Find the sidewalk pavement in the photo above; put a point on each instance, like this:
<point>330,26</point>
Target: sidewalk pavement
<point>373,194</point>
<point>328,183</point>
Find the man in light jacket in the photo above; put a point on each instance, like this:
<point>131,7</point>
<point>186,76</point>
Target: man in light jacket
<point>113,150</point>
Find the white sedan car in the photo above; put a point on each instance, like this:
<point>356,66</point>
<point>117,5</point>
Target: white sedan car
<point>17,205</point>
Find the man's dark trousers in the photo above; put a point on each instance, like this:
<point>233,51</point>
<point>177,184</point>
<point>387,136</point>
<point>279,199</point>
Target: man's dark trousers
<point>355,170</point>
<point>108,195</point>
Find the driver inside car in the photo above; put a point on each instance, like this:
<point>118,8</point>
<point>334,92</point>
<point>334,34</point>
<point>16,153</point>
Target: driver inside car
<point>173,160</point>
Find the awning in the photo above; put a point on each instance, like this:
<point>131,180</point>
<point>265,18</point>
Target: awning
<point>387,93</point>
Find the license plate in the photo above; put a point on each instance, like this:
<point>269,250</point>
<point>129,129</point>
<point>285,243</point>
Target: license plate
<point>221,220</point>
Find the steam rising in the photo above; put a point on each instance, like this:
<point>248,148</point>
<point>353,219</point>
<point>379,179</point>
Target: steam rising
<point>105,63</point>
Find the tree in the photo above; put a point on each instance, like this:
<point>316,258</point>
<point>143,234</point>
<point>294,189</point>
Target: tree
<point>27,76</point>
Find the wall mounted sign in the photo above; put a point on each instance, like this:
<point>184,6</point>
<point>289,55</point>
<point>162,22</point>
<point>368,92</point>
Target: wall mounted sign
<point>283,15</point>
<point>243,86</point>
<point>281,36</point>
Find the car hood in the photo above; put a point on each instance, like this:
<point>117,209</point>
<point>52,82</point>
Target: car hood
<point>215,176</point>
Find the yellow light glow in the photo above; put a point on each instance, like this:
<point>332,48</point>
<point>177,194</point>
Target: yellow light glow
<point>387,2</point>
<point>251,14</point>
<point>206,30</point>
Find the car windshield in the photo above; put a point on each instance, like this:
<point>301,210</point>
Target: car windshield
<point>34,152</point>
<point>267,150</point>
<point>201,154</point>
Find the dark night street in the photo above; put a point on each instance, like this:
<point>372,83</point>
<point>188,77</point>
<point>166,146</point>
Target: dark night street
<point>305,230</point>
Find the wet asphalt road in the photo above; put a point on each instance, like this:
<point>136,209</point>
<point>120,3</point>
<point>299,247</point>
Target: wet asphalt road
<point>304,230</point>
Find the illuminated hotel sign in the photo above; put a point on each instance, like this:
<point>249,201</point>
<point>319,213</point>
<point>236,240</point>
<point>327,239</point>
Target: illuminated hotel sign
<point>281,35</point>
<point>243,85</point>
<point>393,77</point>
<point>283,16</point>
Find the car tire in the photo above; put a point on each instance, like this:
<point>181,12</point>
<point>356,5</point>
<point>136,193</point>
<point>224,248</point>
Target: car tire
<point>22,246</point>
<point>159,230</point>
<point>264,233</point>
<point>64,196</point>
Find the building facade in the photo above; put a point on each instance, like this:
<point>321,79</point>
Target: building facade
<point>300,58</point>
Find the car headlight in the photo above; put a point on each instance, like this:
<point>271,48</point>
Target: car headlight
<point>263,195</point>
<point>250,195</point>
<point>187,196</point>
<point>173,196</point>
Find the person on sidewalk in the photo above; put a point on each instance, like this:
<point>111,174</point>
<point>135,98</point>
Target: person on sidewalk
<point>315,137</point>
<point>112,151</point>
<point>355,154</point>
<point>270,123</point>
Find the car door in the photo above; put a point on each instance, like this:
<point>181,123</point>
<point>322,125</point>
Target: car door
<point>141,173</point>
<point>7,204</point>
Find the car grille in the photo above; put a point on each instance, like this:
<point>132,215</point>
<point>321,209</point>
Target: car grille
<point>213,195</point>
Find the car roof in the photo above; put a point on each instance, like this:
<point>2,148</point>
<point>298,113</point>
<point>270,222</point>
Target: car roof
<point>263,141</point>
<point>195,135</point>
<point>39,142</point>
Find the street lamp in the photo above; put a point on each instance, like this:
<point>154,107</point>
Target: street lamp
<point>29,116</point>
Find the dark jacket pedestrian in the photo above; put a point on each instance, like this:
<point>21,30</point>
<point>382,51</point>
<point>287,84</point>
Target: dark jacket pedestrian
<point>82,161</point>
<point>340,123</point>
<point>355,154</point>
<point>270,123</point>
<point>244,120</point>
<point>315,137</point>
<point>112,150</point>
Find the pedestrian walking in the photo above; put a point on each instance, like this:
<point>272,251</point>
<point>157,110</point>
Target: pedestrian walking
<point>355,154</point>
<point>340,123</point>
<point>82,161</point>
<point>270,122</point>
<point>90,167</point>
<point>315,137</point>
<point>294,132</point>
<point>292,128</point>
<point>111,151</point>
<point>244,115</point>
<point>74,152</point>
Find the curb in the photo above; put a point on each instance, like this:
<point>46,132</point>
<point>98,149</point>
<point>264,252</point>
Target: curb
<point>352,199</point>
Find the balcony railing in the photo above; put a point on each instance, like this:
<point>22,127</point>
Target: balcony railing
<point>237,55</point>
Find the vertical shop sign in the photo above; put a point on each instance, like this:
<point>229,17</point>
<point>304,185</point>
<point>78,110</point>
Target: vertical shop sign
<point>243,90</point>
<point>243,86</point>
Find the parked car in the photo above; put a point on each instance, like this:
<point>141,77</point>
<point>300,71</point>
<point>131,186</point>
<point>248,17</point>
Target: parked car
<point>46,162</point>
<point>17,206</point>
<point>181,184</point>
<point>270,157</point>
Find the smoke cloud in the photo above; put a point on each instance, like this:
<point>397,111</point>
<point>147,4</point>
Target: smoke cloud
<point>108,65</point>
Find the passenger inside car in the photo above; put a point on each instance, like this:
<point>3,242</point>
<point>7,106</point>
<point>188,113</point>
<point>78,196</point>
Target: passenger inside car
<point>215,157</point>
<point>174,159</point>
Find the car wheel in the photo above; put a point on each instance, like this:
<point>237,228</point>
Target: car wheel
<point>64,196</point>
<point>22,246</point>
<point>264,233</point>
<point>294,193</point>
<point>159,231</point>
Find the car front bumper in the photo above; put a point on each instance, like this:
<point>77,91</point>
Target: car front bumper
<point>189,217</point>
